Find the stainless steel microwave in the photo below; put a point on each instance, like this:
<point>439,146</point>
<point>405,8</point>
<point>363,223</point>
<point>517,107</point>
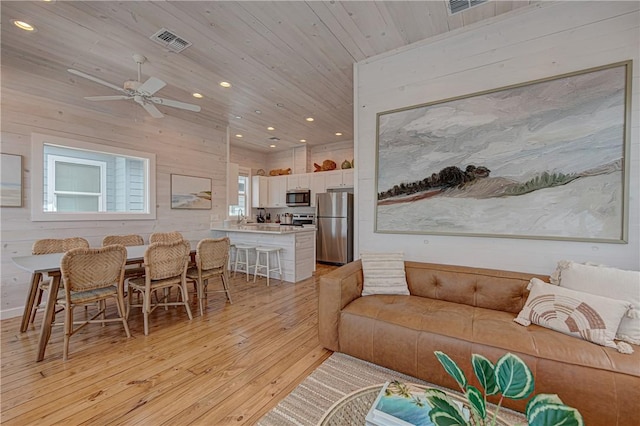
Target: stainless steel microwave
<point>298,197</point>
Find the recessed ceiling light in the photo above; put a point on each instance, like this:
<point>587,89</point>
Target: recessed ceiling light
<point>238,135</point>
<point>237,117</point>
<point>197,95</point>
<point>258,111</point>
<point>279,105</point>
<point>303,140</point>
<point>225,84</point>
<point>338,134</point>
<point>272,146</point>
<point>271,128</point>
<point>23,25</point>
<point>309,118</point>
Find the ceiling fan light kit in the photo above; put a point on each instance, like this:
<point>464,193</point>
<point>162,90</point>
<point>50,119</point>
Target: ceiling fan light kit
<point>141,93</point>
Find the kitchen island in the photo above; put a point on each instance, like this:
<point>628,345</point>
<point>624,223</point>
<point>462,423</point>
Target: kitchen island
<point>298,255</point>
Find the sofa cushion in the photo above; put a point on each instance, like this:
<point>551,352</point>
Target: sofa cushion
<point>376,328</point>
<point>383,273</point>
<point>583,315</point>
<point>607,282</point>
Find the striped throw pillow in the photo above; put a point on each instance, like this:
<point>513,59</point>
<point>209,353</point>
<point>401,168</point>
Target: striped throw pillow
<point>383,273</point>
<point>582,315</point>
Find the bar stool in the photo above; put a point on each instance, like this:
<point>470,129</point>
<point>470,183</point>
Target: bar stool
<point>232,256</point>
<point>267,253</point>
<point>243,249</point>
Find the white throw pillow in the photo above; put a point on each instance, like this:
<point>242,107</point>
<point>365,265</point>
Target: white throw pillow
<point>607,282</point>
<point>578,314</point>
<point>383,273</point>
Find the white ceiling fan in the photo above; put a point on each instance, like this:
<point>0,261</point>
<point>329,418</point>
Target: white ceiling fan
<point>142,93</point>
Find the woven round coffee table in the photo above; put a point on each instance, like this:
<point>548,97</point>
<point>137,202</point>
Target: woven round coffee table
<point>352,409</point>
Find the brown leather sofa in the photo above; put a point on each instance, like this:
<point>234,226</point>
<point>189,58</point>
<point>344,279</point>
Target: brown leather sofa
<point>463,310</point>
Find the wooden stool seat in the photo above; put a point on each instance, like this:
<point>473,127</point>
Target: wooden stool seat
<point>267,251</point>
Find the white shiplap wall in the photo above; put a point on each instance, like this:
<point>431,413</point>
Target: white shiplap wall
<point>253,160</point>
<point>181,147</point>
<point>534,42</point>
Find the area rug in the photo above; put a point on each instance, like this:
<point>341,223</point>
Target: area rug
<point>338,376</point>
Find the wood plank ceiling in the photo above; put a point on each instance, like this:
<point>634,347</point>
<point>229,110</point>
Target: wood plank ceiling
<point>287,60</point>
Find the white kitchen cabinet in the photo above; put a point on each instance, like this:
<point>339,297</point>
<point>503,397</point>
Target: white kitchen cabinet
<point>259,191</point>
<point>277,191</point>
<point>339,179</point>
<point>318,186</point>
<point>300,181</point>
<point>333,179</point>
<point>321,181</point>
<point>347,178</point>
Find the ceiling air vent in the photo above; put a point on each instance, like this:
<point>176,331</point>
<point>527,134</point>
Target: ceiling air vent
<point>456,6</point>
<point>170,40</point>
<point>274,139</point>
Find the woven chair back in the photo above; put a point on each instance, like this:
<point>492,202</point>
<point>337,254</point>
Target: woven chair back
<point>212,253</point>
<point>125,240</point>
<point>165,237</point>
<point>53,245</point>
<point>166,260</point>
<point>85,269</point>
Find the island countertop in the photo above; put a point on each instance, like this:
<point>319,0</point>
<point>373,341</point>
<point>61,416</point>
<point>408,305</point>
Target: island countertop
<point>297,244</point>
<point>264,229</point>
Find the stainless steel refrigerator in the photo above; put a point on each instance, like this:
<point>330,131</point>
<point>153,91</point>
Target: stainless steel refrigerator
<point>334,220</point>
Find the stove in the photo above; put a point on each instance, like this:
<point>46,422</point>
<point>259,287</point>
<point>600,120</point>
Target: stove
<point>300,219</point>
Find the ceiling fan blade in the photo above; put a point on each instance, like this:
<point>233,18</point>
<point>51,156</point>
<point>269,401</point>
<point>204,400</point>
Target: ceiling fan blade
<point>175,104</point>
<point>151,109</point>
<point>151,86</point>
<point>96,80</point>
<point>108,98</point>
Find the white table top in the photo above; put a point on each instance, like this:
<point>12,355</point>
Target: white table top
<point>51,262</point>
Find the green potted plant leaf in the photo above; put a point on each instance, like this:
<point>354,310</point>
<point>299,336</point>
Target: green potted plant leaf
<point>511,378</point>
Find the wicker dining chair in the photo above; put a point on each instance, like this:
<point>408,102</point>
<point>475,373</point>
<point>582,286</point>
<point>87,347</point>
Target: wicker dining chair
<point>212,260</point>
<point>125,240</point>
<point>165,237</point>
<point>131,271</point>
<point>48,246</point>
<point>91,275</point>
<point>165,267</point>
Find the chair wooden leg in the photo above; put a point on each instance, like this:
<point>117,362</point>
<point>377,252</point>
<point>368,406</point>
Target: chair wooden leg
<point>201,295</point>
<point>185,296</point>
<point>225,285</point>
<point>121,311</point>
<point>34,307</point>
<point>146,308</point>
<point>68,330</point>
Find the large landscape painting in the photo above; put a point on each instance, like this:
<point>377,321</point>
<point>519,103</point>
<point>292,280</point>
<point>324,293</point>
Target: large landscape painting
<point>544,159</point>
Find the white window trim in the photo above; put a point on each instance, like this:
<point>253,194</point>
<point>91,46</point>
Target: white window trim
<point>38,141</point>
<point>51,173</point>
<point>246,172</point>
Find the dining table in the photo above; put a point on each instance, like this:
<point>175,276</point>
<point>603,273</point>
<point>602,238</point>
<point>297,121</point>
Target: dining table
<point>49,264</point>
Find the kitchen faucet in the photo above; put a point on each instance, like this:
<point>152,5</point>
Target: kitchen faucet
<point>241,217</point>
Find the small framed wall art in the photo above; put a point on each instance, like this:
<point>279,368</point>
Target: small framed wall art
<point>11,181</point>
<point>190,192</point>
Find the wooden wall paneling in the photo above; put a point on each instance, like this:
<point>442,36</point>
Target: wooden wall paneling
<point>187,149</point>
<point>412,25</point>
<point>515,68</point>
<point>248,158</point>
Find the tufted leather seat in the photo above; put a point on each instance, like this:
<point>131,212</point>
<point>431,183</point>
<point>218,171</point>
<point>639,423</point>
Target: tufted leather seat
<point>462,310</point>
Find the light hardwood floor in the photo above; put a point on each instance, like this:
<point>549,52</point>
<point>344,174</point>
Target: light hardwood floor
<point>230,366</point>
